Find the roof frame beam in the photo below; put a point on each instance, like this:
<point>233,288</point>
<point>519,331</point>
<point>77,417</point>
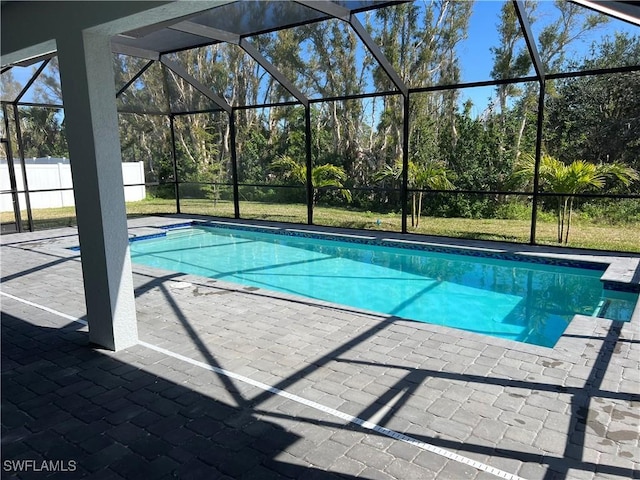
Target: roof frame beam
<point>625,11</point>
<point>182,73</point>
<point>274,72</point>
<point>529,39</point>
<point>341,13</point>
<point>229,37</point>
<point>121,48</point>
<point>30,61</point>
<point>329,8</point>
<point>134,78</point>
<point>32,80</point>
<point>206,32</point>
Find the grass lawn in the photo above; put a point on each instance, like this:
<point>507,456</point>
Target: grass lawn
<point>622,238</point>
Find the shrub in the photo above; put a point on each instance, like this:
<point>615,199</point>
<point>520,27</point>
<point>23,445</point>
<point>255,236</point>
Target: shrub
<point>513,210</point>
<point>611,211</point>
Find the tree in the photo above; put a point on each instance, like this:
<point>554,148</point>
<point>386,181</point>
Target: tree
<point>477,161</point>
<point>144,136</point>
<point>511,59</point>
<point>10,86</point>
<point>322,176</point>
<point>420,40</point>
<point>42,128</point>
<point>43,132</point>
<point>595,117</point>
<point>570,179</point>
<point>429,175</point>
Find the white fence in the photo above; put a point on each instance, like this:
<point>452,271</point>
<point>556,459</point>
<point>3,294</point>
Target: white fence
<point>45,175</point>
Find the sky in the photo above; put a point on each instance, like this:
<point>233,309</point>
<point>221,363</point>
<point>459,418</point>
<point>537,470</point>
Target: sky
<point>475,52</point>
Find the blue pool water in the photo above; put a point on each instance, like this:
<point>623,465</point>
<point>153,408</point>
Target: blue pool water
<point>521,301</point>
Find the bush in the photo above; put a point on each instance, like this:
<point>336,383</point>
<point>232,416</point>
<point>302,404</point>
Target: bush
<point>458,205</point>
<point>513,210</point>
<point>611,211</point>
<point>165,191</point>
<point>257,194</point>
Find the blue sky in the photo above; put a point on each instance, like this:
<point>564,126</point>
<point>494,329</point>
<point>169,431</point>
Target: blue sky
<point>475,53</point>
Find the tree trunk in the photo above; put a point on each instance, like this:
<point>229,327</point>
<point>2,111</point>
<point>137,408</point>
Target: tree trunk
<point>560,217</point>
<point>522,126</point>
<point>566,235</point>
<point>565,209</point>
<point>413,209</point>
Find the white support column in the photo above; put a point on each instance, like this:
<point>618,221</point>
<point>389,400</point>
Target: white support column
<point>86,74</point>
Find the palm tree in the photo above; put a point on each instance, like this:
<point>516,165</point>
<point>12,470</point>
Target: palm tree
<point>568,180</point>
<point>430,175</point>
<point>322,176</point>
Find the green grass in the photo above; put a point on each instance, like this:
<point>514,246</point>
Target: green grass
<point>584,234</point>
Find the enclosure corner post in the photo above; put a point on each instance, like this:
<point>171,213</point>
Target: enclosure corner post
<point>404,195</point>
<point>174,161</point>
<point>536,172</point>
<point>309,162</point>
<point>538,66</point>
<point>12,174</point>
<point>234,164</point>
<point>25,181</point>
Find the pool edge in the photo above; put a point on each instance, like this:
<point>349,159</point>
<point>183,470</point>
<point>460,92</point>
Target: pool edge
<point>564,344</point>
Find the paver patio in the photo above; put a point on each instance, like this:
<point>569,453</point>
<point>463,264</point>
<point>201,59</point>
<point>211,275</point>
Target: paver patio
<point>233,382</point>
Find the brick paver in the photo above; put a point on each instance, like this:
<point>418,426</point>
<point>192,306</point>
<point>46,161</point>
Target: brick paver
<point>567,412</point>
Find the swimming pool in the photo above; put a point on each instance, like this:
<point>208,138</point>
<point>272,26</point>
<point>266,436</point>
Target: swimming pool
<point>530,302</point>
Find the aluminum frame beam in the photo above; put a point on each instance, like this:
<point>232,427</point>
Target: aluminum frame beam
<point>204,31</point>
<point>274,72</point>
<point>25,180</point>
<point>31,81</point>
<point>329,8</point>
<point>182,73</point>
<point>234,39</point>
<point>174,162</point>
<point>30,61</point>
<point>134,78</point>
<point>625,11</point>
<point>13,183</point>
<point>529,39</point>
<point>121,48</point>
